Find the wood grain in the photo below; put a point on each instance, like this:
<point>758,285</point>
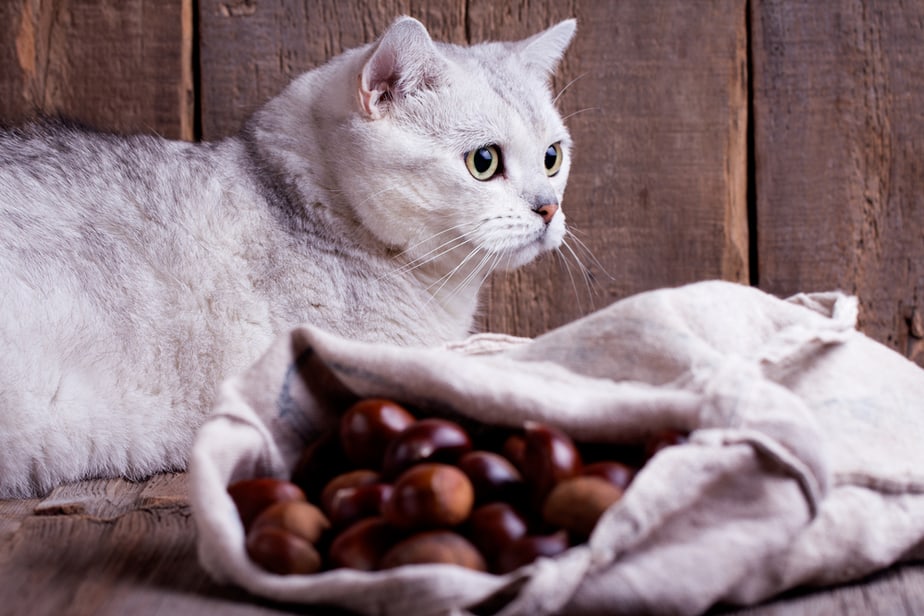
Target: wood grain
<point>839,136</point>
<point>143,561</point>
<point>658,188</point>
<point>658,195</point>
<point>112,64</point>
<point>273,41</point>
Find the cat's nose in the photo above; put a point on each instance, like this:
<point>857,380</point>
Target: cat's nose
<point>547,211</point>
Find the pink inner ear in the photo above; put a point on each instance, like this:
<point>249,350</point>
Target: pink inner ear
<point>378,77</point>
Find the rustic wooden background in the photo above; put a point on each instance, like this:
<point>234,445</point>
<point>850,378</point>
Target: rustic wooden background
<point>773,142</point>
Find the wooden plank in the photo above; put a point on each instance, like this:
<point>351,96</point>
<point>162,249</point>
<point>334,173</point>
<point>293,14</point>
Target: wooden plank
<point>659,191</point>
<point>658,187</point>
<point>114,64</point>
<point>251,50</point>
<point>898,591</point>
<point>97,498</point>
<point>144,562</point>
<point>839,140</point>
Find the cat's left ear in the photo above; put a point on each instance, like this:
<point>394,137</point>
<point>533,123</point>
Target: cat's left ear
<point>404,60</point>
<point>544,51</point>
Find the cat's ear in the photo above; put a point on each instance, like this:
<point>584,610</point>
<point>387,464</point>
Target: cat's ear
<point>404,60</point>
<point>542,52</point>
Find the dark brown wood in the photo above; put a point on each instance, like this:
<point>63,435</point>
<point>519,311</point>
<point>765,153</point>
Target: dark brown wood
<point>658,110</point>
<point>116,547</point>
<point>112,64</point>
<point>838,93</point>
<point>251,50</point>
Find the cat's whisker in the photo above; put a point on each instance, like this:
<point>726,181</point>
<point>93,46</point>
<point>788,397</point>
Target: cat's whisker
<point>567,85</point>
<point>563,262</point>
<point>432,237</point>
<point>574,234</point>
<point>445,278</point>
<point>444,248</point>
<point>579,111</point>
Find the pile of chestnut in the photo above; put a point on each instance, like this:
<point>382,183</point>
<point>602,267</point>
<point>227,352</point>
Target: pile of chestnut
<point>387,489</point>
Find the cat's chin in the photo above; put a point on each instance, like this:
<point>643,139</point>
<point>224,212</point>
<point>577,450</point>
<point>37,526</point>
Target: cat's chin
<point>528,253</point>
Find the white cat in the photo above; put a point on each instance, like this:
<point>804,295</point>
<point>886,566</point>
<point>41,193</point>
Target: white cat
<point>372,198</point>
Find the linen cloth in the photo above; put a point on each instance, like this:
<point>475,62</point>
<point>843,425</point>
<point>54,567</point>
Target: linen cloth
<point>805,463</point>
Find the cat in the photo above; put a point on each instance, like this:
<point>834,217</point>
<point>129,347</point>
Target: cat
<point>371,198</point>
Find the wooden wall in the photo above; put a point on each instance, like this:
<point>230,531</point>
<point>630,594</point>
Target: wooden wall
<point>772,142</point>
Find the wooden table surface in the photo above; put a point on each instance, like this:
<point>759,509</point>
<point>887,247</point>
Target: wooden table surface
<point>112,547</point>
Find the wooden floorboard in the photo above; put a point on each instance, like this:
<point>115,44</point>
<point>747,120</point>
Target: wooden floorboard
<point>113,547</point>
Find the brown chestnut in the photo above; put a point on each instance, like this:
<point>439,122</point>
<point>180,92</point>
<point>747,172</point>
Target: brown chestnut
<point>493,526</point>
<point>549,456</point>
<point>362,545</point>
<point>427,440</point>
<point>514,449</point>
<point>282,552</point>
<point>493,477</point>
<point>300,518</point>
<point>577,503</point>
<point>320,461</point>
<point>349,505</point>
<point>617,473</point>
<point>252,496</point>
<point>528,548</point>
<point>367,428</point>
<point>347,480</point>
<point>430,496</point>
<point>435,547</point>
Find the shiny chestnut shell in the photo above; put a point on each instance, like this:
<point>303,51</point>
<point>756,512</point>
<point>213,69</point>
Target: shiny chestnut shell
<point>617,473</point>
<point>350,505</point>
<point>300,518</point>
<point>494,525</point>
<point>429,496</point>
<point>368,427</point>
<point>434,547</point>
<point>549,456</point>
<point>282,552</point>
<point>528,548</point>
<point>362,545</point>
<point>493,477</point>
<point>427,440</point>
<point>252,496</point>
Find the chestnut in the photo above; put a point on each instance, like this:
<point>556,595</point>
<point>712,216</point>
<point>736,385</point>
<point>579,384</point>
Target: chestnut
<point>320,461</point>
<point>617,473</point>
<point>493,526</point>
<point>300,518</point>
<point>434,547</point>
<point>252,496</point>
<point>514,449</point>
<point>282,552</point>
<point>362,545</point>
<point>430,495</point>
<point>528,548</point>
<point>349,505</point>
<point>348,480</point>
<point>367,428</point>
<point>493,477</point>
<point>577,503</point>
<point>427,440</point>
<point>549,456</point>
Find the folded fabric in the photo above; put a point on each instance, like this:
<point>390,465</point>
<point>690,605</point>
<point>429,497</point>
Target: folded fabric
<point>804,464</point>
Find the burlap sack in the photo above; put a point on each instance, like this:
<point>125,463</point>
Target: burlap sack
<point>805,463</point>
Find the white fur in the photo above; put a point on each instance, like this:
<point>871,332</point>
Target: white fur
<point>137,273</point>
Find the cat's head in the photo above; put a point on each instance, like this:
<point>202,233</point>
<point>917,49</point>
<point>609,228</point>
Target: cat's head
<point>459,152</point>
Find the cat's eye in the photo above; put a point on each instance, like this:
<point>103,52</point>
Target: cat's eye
<point>484,163</point>
<point>553,159</point>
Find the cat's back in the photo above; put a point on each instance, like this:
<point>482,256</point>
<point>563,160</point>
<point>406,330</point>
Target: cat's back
<point>74,172</point>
